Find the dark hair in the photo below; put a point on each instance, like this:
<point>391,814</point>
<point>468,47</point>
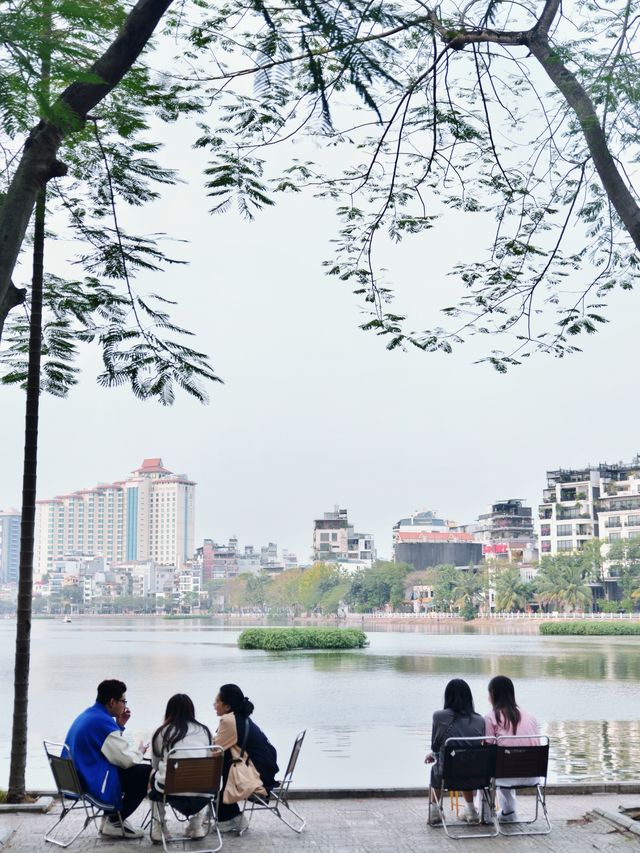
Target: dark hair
<point>111,688</point>
<point>179,714</point>
<point>458,698</point>
<point>231,695</point>
<point>503,699</point>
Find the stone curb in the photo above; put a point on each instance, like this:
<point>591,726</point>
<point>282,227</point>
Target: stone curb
<point>390,793</point>
<point>619,820</point>
<point>42,804</point>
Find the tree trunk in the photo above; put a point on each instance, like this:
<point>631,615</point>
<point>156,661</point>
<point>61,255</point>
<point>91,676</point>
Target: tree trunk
<point>16,792</point>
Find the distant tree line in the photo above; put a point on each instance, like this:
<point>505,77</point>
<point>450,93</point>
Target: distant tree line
<point>564,582</point>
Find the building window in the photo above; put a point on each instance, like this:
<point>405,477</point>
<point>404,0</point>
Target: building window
<point>565,545</point>
<point>545,546</point>
<point>545,530</point>
<point>633,521</point>
<point>612,521</point>
<point>334,537</point>
<point>563,530</point>
<point>614,536</point>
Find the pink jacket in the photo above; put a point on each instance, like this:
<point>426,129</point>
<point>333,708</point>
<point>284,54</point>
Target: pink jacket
<point>528,725</point>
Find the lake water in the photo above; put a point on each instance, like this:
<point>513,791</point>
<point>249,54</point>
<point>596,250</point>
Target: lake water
<point>367,712</point>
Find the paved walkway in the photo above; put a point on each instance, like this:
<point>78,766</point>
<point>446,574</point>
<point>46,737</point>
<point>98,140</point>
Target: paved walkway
<point>370,825</point>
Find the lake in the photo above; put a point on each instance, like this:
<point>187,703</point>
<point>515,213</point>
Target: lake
<point>367,712</point>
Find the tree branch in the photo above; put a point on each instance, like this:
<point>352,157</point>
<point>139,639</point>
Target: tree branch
<point>38,163</point>
<point>571,89</point>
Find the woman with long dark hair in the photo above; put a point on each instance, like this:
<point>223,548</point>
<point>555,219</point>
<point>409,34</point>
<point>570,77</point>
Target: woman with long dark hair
<point>457,719</point>
<point>508,718</point>
<point>180,729</point>
<point>234,729</point>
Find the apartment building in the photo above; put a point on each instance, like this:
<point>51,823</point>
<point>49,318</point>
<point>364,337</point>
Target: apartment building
<point>424,540</point>
<point>580,504</point>
<point>9,545</point>
<point>507,533</point>
<point>335,540</point>
<point>148,516</point>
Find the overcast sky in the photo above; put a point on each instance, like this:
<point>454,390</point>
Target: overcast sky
<point>314,412</point>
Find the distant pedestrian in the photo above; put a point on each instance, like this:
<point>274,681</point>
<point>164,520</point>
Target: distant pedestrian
<point>458,719</point>
<point>507,718</point>
<point>109,768</point>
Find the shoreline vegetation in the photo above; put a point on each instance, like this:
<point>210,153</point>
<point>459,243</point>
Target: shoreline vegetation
<point>288,639</point>
<point>590,629</point>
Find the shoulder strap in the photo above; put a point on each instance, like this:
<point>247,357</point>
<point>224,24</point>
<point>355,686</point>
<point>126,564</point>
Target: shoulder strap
<point>246,734</point>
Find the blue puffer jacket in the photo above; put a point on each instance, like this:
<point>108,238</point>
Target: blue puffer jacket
<point>85,738</point>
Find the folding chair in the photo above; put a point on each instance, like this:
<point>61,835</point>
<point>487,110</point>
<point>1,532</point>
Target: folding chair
<point>469,764</point>
<point>277,799</point>
<point>526,767</point>
<point>71,790</point>
<point>196,777</point>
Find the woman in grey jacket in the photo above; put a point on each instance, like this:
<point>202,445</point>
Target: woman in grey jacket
<point>457,719</point>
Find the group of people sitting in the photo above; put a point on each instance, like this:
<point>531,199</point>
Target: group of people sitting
<point>459,719</point>
<point>120,776</point>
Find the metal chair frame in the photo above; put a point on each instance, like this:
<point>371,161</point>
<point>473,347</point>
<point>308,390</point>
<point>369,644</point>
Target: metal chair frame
<point>193,776</point>
<point>277,800</point>
<point>469,765</point>
<point>514,761</point>
<point>71,789</point>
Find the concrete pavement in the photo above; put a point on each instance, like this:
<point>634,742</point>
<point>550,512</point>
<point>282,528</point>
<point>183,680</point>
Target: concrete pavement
<point>368,825</point>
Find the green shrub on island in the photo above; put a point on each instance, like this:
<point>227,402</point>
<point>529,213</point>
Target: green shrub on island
<point>286,639</point>
<point>589,629</point>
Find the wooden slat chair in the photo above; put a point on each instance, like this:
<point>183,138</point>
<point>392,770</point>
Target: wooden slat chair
<point>277,800</point>
<point>72,793</point>
<point>198,777</point>
<point>469,765</point>
<point>527,767</point>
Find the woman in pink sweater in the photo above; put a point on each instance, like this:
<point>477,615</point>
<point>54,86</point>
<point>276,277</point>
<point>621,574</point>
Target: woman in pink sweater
<point>506,718</point>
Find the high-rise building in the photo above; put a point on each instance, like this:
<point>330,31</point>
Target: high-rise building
<point>149,516</point>
<point>334,539</point>
<point>9,545</point>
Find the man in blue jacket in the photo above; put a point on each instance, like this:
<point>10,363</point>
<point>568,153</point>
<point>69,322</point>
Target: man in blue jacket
<point>109,768</point>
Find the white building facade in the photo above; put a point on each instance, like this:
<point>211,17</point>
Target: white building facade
<point>149,516</point>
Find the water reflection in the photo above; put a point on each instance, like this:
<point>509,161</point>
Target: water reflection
<point>594,751</point>
<point>611,665</point>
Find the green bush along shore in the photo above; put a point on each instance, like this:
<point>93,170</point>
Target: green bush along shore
<point>591,629</point>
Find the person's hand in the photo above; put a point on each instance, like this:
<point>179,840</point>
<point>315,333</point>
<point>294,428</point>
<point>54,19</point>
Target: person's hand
<point>429,758</point>
<point>143,747</point>
<point>123,718</point>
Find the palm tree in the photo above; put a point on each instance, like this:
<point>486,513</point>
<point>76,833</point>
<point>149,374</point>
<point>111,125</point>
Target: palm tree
<point>561,582</point>
<point>468,591</point>
<point>512,592</point>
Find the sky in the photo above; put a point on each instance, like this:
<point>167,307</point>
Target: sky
<point>314,412</point>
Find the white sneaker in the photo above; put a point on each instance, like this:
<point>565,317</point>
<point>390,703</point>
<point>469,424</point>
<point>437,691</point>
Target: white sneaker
<point>507,817</point>
<point>115,829</point>
<point>470,814</point>
<point>237,824</point>
<point>196,827</point>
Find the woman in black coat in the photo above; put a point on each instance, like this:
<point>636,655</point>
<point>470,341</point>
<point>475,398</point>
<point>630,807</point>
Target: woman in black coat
<point>234,709</point>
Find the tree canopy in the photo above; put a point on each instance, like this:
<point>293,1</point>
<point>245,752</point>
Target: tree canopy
<point>524,112</point>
